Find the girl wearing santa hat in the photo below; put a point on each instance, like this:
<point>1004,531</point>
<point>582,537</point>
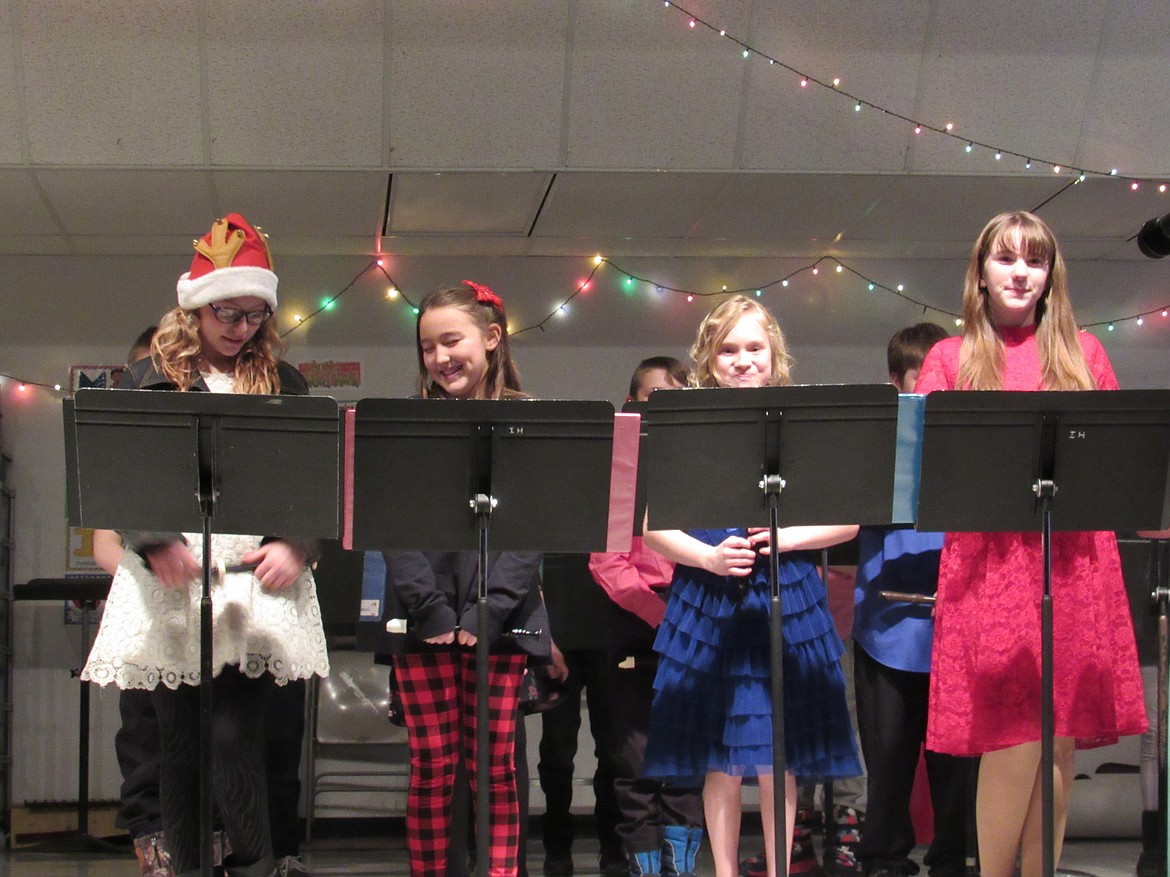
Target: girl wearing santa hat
<point>266,622</point>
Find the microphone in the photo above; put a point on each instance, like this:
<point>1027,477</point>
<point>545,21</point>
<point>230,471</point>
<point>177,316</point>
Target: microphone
<point>1154,238</point>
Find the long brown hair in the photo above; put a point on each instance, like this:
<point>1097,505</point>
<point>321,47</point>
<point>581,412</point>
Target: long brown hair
<point>176,347</point>
<point>502,378</point>
<point>981,358</point>
<point>718,324</point>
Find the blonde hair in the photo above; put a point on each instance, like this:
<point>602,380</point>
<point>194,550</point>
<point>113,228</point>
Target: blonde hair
<point>981,358</point>
<point>176,347</point>
<point>502,378</point>
<point>718,324</point>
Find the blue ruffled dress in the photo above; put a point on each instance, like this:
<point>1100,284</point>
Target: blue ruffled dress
<point>712,709</point>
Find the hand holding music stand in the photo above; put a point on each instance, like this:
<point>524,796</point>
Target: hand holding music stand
<point>1064,460</point>
<point>433,474</point>
<point>772,456</point>
<point>215,462</point>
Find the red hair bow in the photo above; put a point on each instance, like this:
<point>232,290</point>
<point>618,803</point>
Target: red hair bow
<point>484,294</point>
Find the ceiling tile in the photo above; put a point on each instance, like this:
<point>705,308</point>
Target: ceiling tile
<point>648,92</point>
<point>124,204</point>
<point>476,85</point>
<point>26,212</point>
<point>11,131</point>
<point>816,127</point>
<point>1126,124</point>
<point>467,203</point>
<point>925,207</point>
<point>335,203</point>
<point>662,205</point>
<point>109,85</point>
<point>301,88</point>
<point>1014,87</point>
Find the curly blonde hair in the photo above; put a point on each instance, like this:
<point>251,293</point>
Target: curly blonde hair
<point>718,324</point>
<point>981,358</point>
<point>176,347</point>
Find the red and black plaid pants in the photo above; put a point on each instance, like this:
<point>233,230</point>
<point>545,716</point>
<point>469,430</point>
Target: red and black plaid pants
<point>438,701</point>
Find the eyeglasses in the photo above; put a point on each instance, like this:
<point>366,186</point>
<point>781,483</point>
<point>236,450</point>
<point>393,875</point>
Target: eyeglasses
<point>231,316</point>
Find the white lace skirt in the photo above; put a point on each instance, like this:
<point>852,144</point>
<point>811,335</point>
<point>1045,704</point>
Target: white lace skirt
<point>150,634</point>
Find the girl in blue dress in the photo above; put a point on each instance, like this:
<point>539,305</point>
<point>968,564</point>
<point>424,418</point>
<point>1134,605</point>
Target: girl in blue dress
<point>712,711</point>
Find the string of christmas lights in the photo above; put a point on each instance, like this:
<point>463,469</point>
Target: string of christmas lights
<point>328,302</point>
<point>563,308</point>
<point>22,384</point>
<point>1139,319</point>
<point>898,290</point>
<point>630,279</point>
<point>918,126</point>
<point>814,268</point>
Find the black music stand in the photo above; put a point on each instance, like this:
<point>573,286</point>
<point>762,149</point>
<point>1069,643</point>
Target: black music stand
<point>88,591</point>
<point>1003,461</point>
<point>772,456</point>
<point>431,474</point>
<point>210,462</point>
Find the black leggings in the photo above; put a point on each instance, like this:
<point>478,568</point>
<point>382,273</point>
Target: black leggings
<point>238,776</point>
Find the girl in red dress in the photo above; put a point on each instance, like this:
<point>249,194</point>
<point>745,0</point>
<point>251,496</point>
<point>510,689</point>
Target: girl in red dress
<point>1019,334</point>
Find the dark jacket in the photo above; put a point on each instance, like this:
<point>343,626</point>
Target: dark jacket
<point>143,375</point>
<point>435,592</point>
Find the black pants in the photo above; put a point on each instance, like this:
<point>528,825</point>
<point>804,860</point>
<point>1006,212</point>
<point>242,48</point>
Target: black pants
<point>138,749</point>
<point>284,734</point>
<point>891,722</point>
<point>624,687</point>
<point>238,777</point>
<point>558,748</point>
<point>139,752</point>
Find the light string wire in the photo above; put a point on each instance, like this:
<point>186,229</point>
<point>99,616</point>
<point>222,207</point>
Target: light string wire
<point>872,285</point>
<point>860,102</point>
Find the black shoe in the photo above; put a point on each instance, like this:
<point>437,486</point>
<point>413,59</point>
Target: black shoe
<point>1151,864</point>
<point>891,869</point>
<point>558,866</point>
<point>613,867</point>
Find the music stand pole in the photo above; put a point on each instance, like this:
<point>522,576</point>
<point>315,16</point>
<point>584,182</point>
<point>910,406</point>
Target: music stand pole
<point>482,505</point>
<point>1045,489</point>
<point>206,703</point>
<point>772,485</point>
<point>1160,578</point>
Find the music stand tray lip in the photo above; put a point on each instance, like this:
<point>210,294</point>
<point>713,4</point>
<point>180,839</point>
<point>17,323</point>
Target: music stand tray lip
<point>799,395</point>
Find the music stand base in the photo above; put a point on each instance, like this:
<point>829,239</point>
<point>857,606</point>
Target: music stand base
<point>76,842</point>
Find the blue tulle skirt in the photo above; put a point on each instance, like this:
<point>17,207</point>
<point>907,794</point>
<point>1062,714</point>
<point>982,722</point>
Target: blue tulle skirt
<point>712,706</point>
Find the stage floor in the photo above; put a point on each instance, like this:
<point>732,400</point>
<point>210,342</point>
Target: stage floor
<point>385,857</point>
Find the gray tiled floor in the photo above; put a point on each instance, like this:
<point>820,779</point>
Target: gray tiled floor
<point>385,856</point>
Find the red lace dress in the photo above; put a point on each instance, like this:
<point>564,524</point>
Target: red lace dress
<point>985,669</point>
